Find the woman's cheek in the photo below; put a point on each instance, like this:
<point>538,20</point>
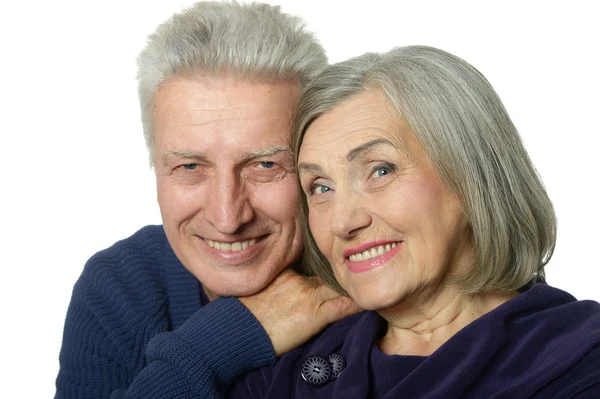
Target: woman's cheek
<point>321,233</point>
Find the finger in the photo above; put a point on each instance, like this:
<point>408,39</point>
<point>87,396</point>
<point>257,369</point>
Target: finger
<point>284,276</point>
<point>314,281</point>
<point>326,293</point>
<point>287,272</point>
<point>338,308</point>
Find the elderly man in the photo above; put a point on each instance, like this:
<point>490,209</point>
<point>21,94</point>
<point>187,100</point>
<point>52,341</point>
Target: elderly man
<point>217,84</point>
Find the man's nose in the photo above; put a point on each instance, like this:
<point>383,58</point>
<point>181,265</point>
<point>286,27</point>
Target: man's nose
<point>229,207</point>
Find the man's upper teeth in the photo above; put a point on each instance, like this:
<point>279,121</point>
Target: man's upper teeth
<point>373,252</point>
<point>234,246</point>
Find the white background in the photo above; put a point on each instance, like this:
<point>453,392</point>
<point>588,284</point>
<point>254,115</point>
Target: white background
<point>74,175</point>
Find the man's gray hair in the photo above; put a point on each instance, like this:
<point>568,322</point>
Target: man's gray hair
<point>212,39</point>
<point>458,118</point>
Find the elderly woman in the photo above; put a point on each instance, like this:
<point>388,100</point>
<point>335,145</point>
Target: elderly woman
<point>425,208</point>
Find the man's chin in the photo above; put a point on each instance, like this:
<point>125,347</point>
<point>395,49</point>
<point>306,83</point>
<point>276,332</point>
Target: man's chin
<point>247,290</point>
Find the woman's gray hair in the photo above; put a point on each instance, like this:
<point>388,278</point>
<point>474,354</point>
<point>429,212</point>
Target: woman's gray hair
<point>458,118</point>
<point>211,39</point>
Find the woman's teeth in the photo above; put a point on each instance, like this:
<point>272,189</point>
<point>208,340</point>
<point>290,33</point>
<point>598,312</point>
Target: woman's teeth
<point>372,253</point>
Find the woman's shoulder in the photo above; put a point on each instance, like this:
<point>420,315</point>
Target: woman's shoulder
<point>543,342</point>
<point>556,311</point>
<point>567,339</point>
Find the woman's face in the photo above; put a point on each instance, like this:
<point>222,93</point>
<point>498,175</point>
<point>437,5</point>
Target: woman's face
<point>377,208</point>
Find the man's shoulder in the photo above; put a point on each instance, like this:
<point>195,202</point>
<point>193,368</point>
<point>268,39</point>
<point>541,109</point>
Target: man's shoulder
<point>149,239</point>
<point>130,267</point>
<point>145,248</point>
<point>120,300</point>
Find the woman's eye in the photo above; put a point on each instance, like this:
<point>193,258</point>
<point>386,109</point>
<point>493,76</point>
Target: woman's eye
<point>318,189</point>
<point>190,166</point>
<point>383,170</point>
<point>267,164</point>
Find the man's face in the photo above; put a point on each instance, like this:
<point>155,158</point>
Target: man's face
<point>225,177</point>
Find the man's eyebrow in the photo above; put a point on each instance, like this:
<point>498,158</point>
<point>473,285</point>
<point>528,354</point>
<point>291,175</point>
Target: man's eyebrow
<point>365,147</point>
<point>170,154</point>
<point>265,152</point>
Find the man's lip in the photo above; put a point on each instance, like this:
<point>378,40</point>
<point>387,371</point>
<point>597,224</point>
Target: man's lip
<point>230,241</point>
<point>367,245</point>
<point>234,258</point>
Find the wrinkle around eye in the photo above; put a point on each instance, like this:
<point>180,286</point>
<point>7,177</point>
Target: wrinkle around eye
<point>387,166</point>
<point>319,190</point>
<point>260,174</point>
<point>189,173</point>
<point>267,164</point>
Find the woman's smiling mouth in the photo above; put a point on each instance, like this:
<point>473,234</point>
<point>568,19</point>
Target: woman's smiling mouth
<point>370,256</point>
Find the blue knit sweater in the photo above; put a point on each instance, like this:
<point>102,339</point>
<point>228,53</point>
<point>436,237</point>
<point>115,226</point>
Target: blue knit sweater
<point>139,326</point>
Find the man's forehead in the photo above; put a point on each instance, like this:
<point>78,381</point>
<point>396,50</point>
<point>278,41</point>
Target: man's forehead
<point>181,87</point>
<point>257,113</point>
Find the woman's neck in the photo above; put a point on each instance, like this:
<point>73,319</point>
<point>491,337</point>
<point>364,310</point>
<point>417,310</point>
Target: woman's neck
<point>419,327</point>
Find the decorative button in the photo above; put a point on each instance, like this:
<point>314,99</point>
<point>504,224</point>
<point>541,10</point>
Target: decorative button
<point>338,363</point>
<point>316,371</point>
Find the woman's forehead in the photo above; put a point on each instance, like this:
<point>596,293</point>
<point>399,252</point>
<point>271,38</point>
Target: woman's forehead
<point>367,121</point>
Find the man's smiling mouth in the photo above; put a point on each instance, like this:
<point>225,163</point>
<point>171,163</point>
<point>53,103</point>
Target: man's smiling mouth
<point>232,246</point>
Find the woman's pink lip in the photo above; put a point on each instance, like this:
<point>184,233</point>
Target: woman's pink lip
<point>364,265</point>
<point>365,246</point>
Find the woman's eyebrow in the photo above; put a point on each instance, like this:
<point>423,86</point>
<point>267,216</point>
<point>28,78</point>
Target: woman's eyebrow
<point>365,147</point>
<point>310,167</point>
<point>315,168</point>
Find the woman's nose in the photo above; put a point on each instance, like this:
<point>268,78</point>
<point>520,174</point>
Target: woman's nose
<point>350,215</point>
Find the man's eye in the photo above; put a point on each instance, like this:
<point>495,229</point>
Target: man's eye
<point>190,166</point>
<point>267,164</point>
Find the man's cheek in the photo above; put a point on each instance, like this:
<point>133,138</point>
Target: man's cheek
<point>279,200</point>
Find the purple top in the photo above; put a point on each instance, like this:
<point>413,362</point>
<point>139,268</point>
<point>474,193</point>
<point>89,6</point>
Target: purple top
<point>543,343</point>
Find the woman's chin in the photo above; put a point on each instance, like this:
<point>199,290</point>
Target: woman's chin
<point>370,301</point>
